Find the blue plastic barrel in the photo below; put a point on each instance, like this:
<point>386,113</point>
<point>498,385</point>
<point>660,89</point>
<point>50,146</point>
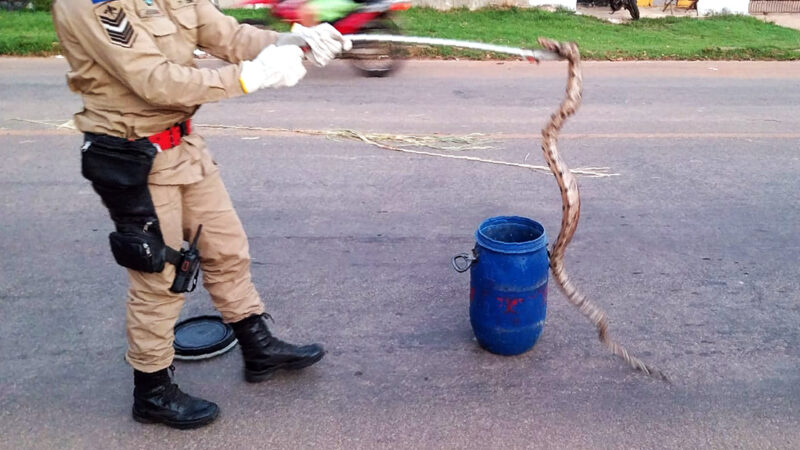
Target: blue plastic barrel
<point>508,284</point>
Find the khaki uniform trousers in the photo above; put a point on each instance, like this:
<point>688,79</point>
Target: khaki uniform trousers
<point>187,191</point>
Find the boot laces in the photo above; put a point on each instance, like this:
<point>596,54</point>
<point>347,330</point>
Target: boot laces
<point>172,392</point>
<point>273,342</point>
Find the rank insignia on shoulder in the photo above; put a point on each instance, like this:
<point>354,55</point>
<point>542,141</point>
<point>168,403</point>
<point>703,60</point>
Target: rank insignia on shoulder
<point>115,23</point>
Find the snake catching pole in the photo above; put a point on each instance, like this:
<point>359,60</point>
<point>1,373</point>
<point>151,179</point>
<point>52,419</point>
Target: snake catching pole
<point>567,182</point>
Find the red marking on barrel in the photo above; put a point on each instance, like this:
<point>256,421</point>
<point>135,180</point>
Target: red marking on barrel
<point>471,294</point>
<point>510,303</point>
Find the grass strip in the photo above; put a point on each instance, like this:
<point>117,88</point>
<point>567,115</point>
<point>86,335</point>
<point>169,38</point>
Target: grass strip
<point>675,38</point>
<point>678,38</point>
<point>27,33</point>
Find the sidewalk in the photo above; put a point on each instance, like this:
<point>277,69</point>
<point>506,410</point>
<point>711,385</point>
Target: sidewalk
<point>622,16</point>
<point>783,19</point>
<point>787,20</point>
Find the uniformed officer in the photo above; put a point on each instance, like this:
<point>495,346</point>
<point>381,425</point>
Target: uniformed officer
<point>132,62</point>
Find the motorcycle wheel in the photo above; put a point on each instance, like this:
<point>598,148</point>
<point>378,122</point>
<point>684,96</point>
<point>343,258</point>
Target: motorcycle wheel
<point>376,59</point>
<point>633,8</point>
<point>258,23</point>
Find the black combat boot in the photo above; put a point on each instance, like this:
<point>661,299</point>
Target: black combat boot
<point>264,353</point>
<point>156,399</point>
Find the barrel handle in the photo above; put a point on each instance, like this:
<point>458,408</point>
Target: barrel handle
<point>463,261</point>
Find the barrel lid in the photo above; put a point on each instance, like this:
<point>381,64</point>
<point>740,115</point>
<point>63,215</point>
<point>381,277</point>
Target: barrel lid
<point>202,337</point>
<point>511,234</point>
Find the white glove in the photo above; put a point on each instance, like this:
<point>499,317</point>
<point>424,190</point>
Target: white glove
<point>324,41</point>
<point>274,67</point>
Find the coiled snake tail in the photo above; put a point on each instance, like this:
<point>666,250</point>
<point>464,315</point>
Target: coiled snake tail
<point>571,205</point>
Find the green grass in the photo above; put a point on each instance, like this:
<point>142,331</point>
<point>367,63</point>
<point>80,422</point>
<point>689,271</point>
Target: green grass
<point>27,33</point>
<point>258,14</point>
<point>719,37</point>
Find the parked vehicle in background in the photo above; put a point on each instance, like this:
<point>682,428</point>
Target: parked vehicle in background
<point>630,5</point>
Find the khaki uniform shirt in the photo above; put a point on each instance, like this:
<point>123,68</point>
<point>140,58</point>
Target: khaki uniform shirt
<point>132,61</point>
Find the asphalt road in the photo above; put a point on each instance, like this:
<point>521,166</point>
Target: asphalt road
<point>692,250</point>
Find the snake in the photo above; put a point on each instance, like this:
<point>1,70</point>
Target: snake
<point>571,206</point>
<point>566,179</point>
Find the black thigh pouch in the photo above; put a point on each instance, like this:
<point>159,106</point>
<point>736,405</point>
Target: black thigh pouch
<point>118,169</point>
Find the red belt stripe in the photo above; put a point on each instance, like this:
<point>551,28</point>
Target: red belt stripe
<point>171,137</point>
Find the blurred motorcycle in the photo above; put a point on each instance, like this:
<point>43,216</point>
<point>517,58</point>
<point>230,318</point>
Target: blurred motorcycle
<point>371,59</point>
